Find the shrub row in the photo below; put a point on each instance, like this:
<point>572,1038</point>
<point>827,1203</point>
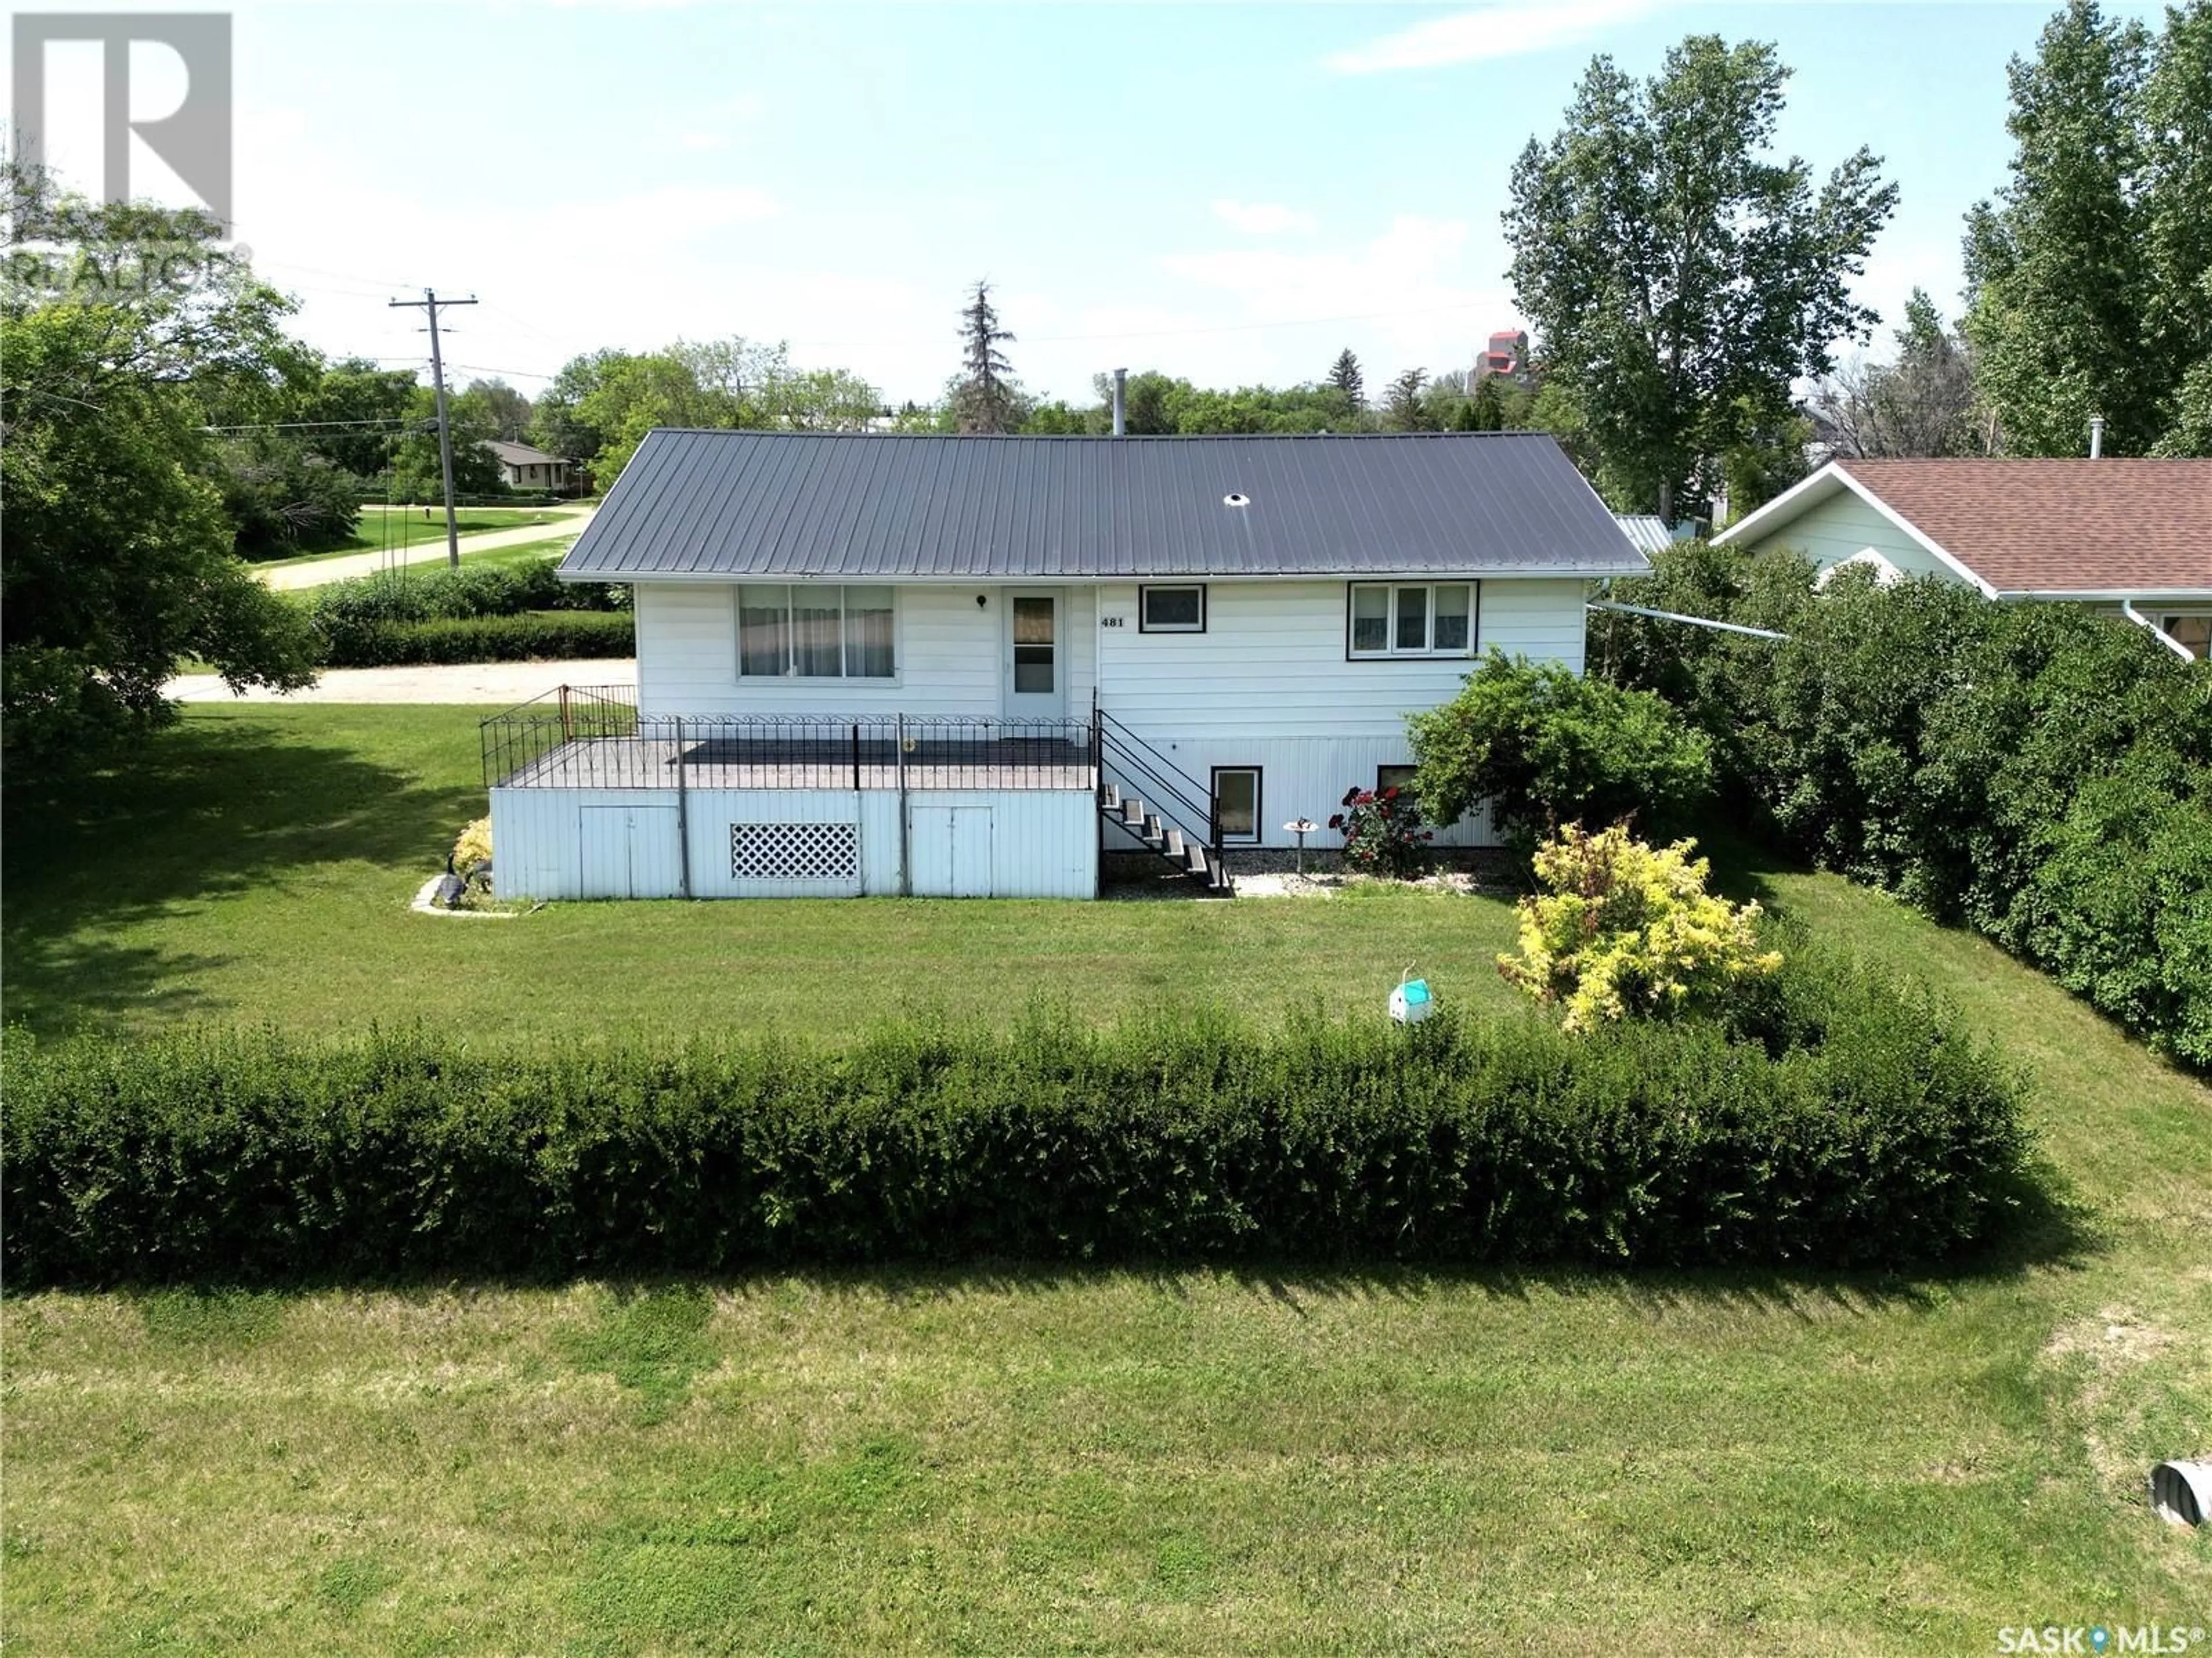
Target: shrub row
<point>535,636</point>
<point>2037,771</point>
<point>1865,1131</point>
<point>349,616</point>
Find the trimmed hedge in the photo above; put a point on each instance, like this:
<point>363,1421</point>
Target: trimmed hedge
<point>362,623</point>
<point>1855,1126</point>
<point>2038,772</point>
<point>535,636</point>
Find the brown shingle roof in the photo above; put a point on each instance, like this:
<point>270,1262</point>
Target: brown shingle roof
<point>2059,525</point>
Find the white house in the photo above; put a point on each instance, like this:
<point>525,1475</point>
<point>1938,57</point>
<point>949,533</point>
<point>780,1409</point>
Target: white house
<point>521,467</point>
<point>882,663</point>
<point>2133,536</point>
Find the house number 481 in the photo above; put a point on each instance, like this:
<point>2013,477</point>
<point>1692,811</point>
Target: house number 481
<point>1109,621</point>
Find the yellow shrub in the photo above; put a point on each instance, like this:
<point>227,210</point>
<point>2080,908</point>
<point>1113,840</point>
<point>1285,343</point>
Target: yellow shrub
<point>474,848</point>
<point>1628,929</point>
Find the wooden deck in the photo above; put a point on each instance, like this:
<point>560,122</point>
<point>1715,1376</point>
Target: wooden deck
<point>723,763</point>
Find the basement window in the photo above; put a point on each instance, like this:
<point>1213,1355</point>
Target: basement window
<point>1399,778</point>
<point>1171,609</point>
<point>1411,618</point>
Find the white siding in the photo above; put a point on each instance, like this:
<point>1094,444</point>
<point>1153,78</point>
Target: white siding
<point>1029,843</point>
<point>950,655</point>
<point>1272,661</point>
<point>1268,684</point>
<point>1844,524</point>
<point>1300,777</point>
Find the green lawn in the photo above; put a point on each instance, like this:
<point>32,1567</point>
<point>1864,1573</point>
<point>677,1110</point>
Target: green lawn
<point>258,862</point>
<point>530,552</point>
<point>381,528</point>
<point>1009,1462</point>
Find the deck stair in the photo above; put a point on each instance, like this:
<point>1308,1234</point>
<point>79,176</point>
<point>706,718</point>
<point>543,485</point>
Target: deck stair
<point>1155,803</point>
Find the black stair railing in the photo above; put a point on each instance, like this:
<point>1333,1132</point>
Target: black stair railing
<point>1179,799</point>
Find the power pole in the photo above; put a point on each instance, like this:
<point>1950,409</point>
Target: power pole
<point>430,302</point>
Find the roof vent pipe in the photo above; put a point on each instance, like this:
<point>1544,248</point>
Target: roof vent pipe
<point>2096,436</point>
<point>1121,395</point>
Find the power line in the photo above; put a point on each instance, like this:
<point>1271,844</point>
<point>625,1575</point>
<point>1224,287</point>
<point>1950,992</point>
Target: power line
<point>520,374</point>
<point>311,425</point>
<point>368,284</point>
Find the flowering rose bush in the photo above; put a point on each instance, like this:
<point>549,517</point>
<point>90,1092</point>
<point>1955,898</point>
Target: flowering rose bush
<point>1383,832</point>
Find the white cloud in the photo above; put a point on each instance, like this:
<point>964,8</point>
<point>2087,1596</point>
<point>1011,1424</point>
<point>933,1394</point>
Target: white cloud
<point>1510,29</point>
<point>709,126</point>
<point>1263,219</point>
<point>678,208</point>
<point>1406,268</point>
<point>1401,298</point>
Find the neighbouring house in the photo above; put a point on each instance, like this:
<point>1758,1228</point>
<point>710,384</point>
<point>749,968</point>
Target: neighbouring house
<point>2132,537</point>
<point>1650,533</point>
<point>521,467</point>
<point>966,665</point>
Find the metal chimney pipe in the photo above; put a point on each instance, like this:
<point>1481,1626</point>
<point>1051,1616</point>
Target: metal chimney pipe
<point>2096,436</point>
<point>1120,397</point>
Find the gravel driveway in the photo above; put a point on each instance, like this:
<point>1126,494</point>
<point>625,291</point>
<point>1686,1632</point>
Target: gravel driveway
<point>501,682</point>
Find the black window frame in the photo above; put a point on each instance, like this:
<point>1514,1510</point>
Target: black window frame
<point>1390,620</point>
<point>1143,625</point>
<point>1406,788</point>
<point>1259,796</point>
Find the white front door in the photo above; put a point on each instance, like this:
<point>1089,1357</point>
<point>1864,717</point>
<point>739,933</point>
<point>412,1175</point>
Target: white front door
<point>1034,661</point>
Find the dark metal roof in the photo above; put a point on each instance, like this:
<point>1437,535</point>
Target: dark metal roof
<point>898,506</point>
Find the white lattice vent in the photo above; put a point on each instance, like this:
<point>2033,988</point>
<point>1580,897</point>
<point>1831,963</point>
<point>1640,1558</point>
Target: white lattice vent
<point>795,852</point>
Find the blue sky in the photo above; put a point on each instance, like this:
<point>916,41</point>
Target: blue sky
<point>1231,192</point>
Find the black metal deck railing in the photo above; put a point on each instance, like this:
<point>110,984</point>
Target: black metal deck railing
<point>595,738</point>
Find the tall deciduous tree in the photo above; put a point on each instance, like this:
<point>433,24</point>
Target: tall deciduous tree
<point>117,562</point>
<point>602,406</point>
<point>987,397</point>
<point>2178,109</point>
<point>1679,279</point>
<point>558,422</point>
<point>509,409</point>
<point>358,412</point>
<point>2091,275</point>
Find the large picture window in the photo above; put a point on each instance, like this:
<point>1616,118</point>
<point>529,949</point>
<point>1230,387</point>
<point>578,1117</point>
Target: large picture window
<point>810,631</point>
<point>1411,618</point>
